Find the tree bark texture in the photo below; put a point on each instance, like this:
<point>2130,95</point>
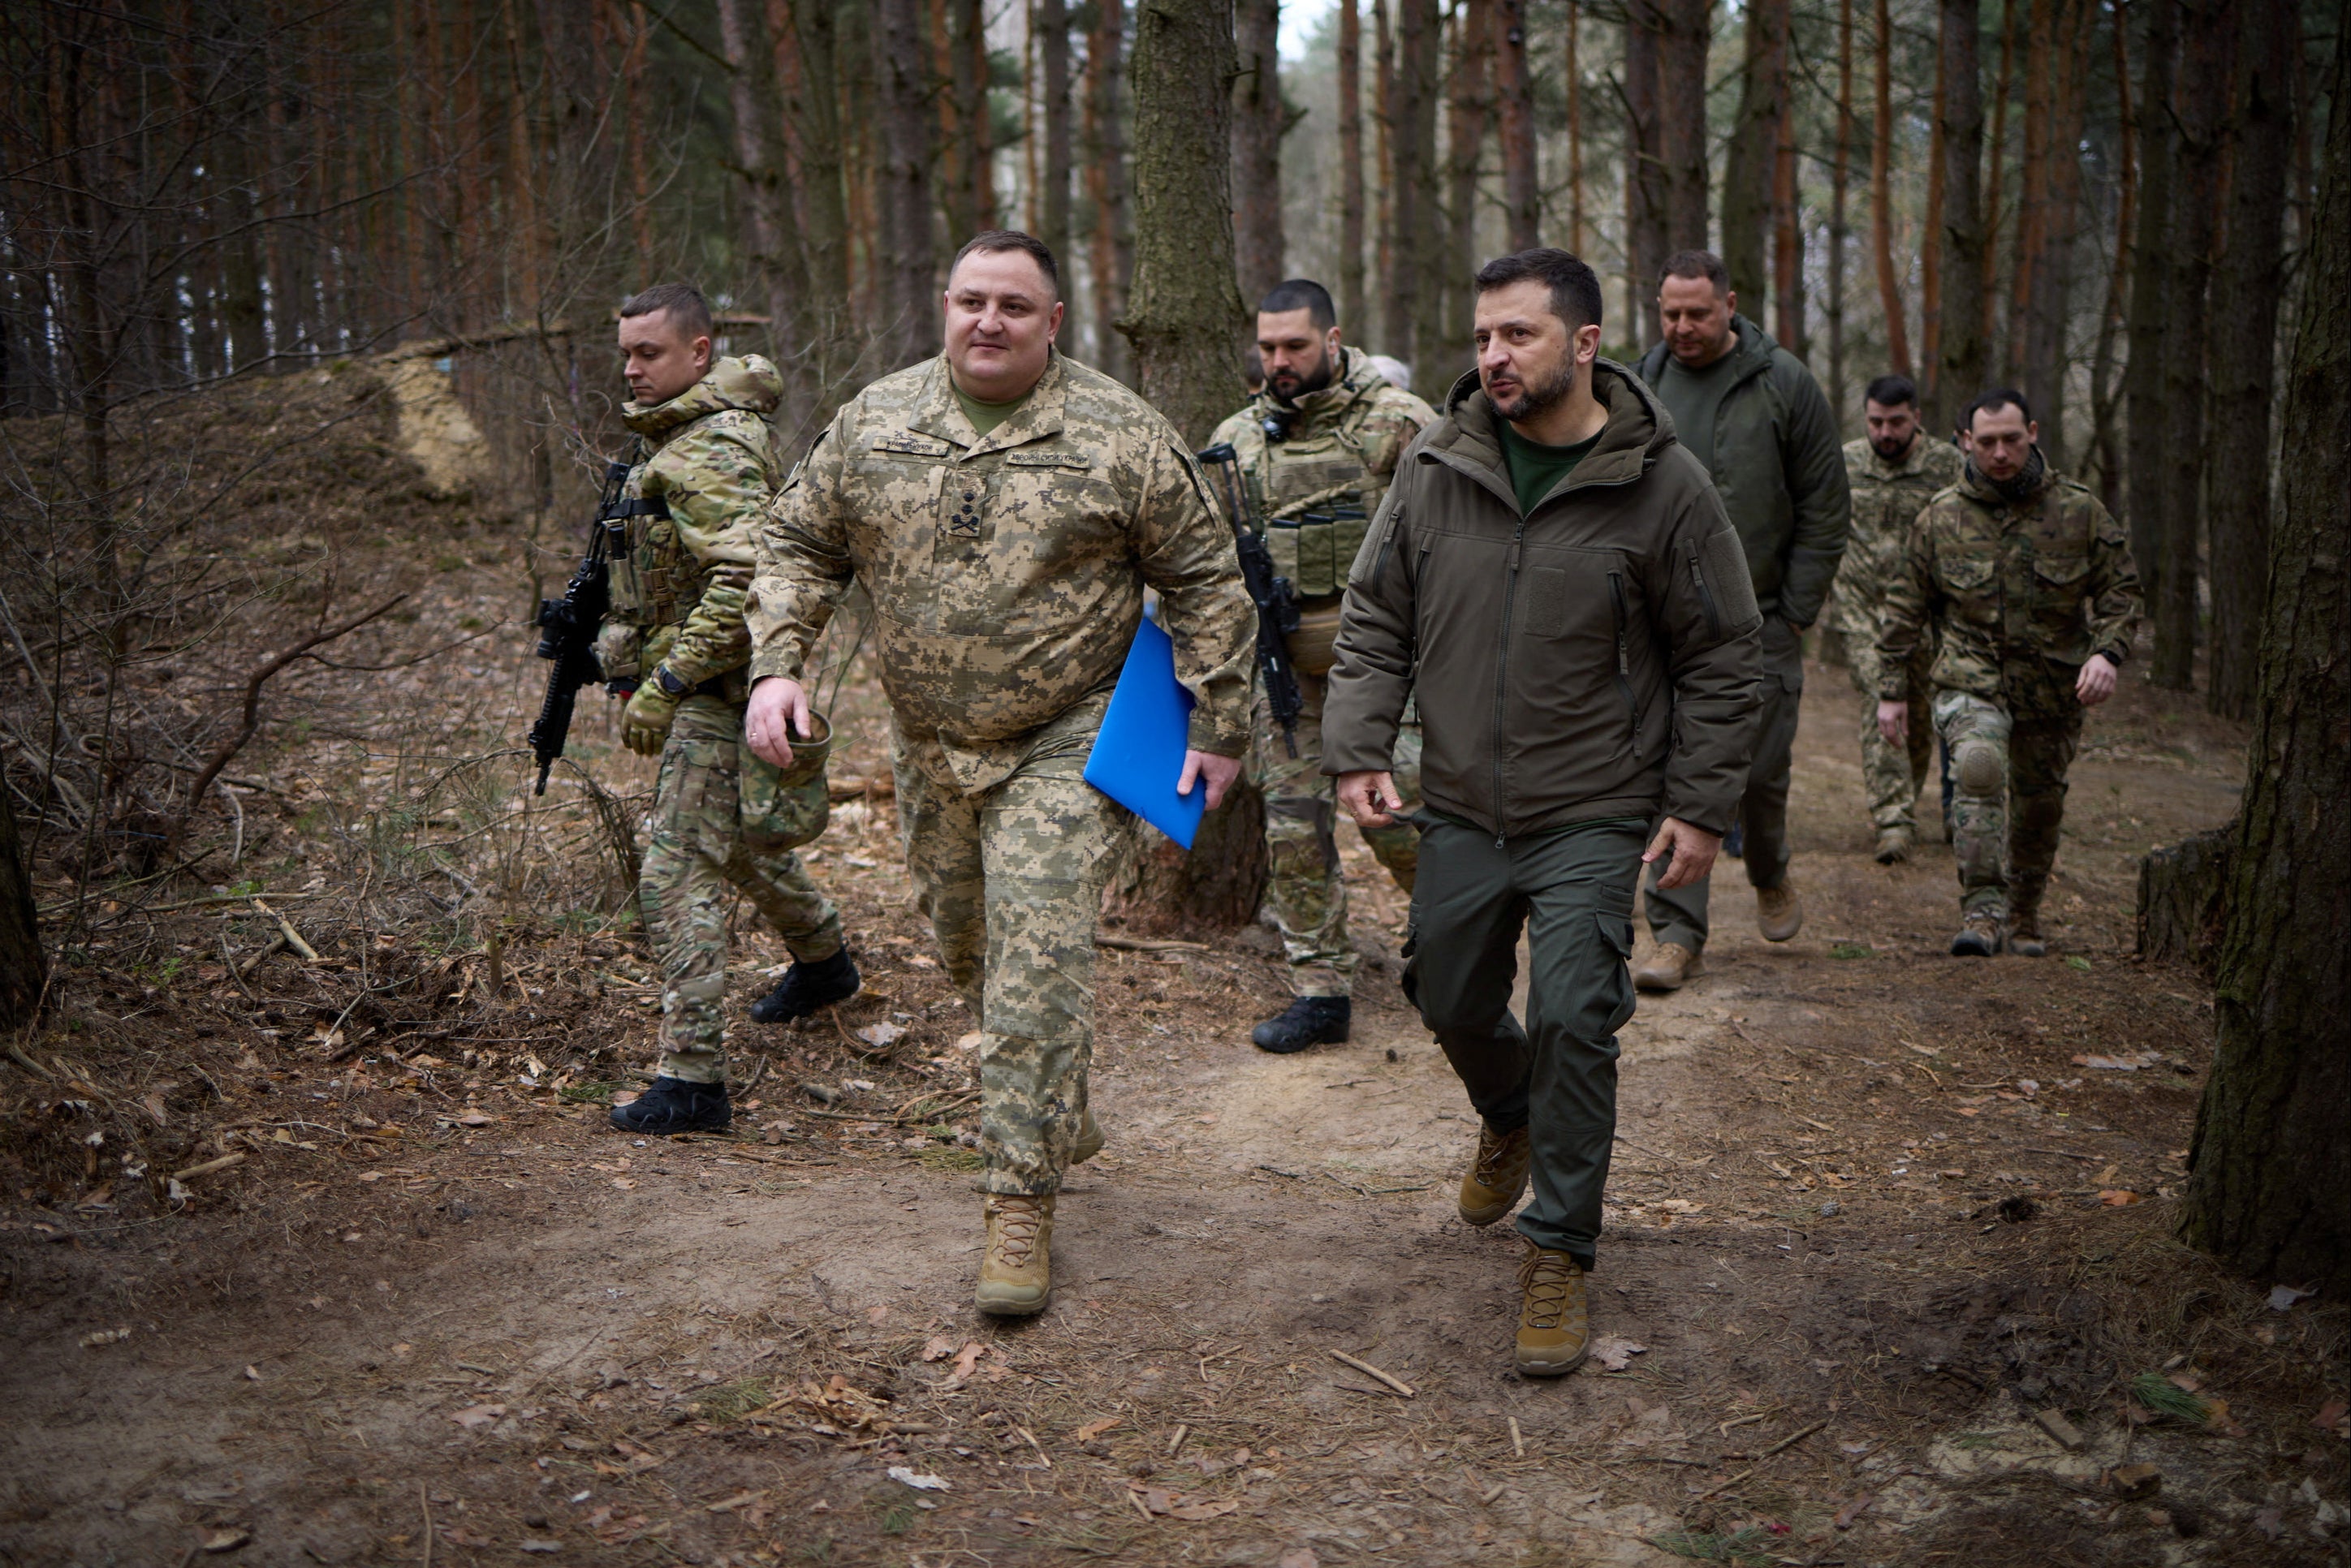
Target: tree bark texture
<point>2207,61</point>
<point>1840,223</point>
<point>1354,311</point>
<point>1881,199</point>
<point>1186,323</point>
<point>1684,33</point>
<point>1788,239</point>
<point>1468,111</point>
<point>1959,371</point>
<point>1514,94</point>
<point>909,305</point>
<point>2043,306</point>
<point>2151,295</point>
<point>2183,892</point>
<point>1258,241</point>
<point>1930,258</point>
<point>24,967</point>
<point>1644,181</point>
<point>1106,182</point>
<point>775,244</point>
<point>2245,295</point>
<point>1413,316</point>
<point>2265,1191</point>
<point>1576,231</point>
<point>1052,20</point>
<point>1749,166</point>
<point>1997,362</point>
<point>2105,395</point>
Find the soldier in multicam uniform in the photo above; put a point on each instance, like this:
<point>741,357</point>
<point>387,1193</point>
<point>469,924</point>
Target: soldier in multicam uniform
<point>1318,446</point>
<point>1005,508</point>
<point>676,639</point>
<point>2029,583</point>
<point>1894,472</point>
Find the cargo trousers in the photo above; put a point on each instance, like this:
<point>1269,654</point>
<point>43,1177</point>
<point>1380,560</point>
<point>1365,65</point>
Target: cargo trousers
<point>1572,890</point>
<point>2009,807</point>
<point>1011,877</point>
<point>724,819</point>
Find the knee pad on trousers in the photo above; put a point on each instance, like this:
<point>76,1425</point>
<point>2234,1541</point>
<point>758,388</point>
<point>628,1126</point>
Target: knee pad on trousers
<point>1978,768</point>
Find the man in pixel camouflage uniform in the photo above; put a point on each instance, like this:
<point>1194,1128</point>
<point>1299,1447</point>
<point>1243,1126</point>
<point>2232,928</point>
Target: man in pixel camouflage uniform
<point>675,639</point>
<point>2029,583</point>
<point>1318,446</point>
<point>1005,508</point>
<point>1894,472</point>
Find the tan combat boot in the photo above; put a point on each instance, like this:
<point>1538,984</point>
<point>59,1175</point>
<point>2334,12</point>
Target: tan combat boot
<point>1668,967</point>
<point>1090,1139</point>
<point>1779,913</point>
<point>1496,1176</point>
<point>1554,1327</point>
<point>1016,1269</point>
<point>2025,937</point>
<point>1982,934</point>
<point>1893,846</point>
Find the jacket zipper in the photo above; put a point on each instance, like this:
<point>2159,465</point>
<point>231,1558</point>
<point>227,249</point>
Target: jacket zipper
<point>1625,657</point>
<point>1706,597</point>
<point>1503,671</point>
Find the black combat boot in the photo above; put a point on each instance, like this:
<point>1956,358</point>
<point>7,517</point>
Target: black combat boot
<point>807,987</point>
<point>1310,1021</point>
<point>674,1105</point>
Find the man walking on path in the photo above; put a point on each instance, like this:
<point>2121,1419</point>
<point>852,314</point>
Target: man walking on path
<point>675,639</point>
<point>1553,576</point>
<point>1751,412</point>
<point>1006,509</point>
<point>2027,581</point>
<point>1894,471</point>
<point>1317,448</point>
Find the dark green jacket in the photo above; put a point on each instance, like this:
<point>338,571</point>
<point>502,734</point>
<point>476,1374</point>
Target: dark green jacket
<point>1779,470</point>
<point>1597,657</point>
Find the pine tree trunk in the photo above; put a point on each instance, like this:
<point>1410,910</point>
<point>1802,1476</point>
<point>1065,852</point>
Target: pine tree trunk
<point>1514,90</point>
<point>815,109</point>
<point>1106,175</point>
<point>1644,181</point>
<point>1959,371</point>
<point>2206,68</point>
<point>1468,94</point>
<point>1788,239</point>
<point>1257,240</point>
<point>1396,333</point>
<point>775,250</point>
<point>910,317</point>
<point>2245,295</point>
<point>1881,200</point>
<point>2043,366</point>
<point>1353,308</point>
<point>1186,323</point>
<point>24,967</point>
<point>1930,262</point>
<point>2151,264</point>
<point>1052,24</point>
<point>1578,234</point>
<point>2266,1192</point>
<point>1840,228</point>
<point>1681,93</point>
<point>1997,361</point>
<point>1413,325</point>
<point>1748,169</point>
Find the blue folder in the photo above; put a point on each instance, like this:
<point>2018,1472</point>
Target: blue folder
<point>1138,757</point>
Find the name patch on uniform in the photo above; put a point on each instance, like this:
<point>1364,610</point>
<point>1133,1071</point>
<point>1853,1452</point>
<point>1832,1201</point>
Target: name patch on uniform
<point>910,444</point>
<point>1047,458</point>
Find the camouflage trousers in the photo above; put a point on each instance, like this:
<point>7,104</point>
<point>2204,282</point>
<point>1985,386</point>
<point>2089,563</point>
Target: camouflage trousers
<point>1893,776</point>
<point>724,819</point>
<point>2008,801</point>
<point>1308,895</point>
<point>1011,877</point>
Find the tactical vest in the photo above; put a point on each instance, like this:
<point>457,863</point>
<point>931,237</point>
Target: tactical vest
<point>1312,488</point>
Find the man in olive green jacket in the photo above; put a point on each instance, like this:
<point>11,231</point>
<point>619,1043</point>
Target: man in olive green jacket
<point>1553,578</point>
<point>1749,411</point>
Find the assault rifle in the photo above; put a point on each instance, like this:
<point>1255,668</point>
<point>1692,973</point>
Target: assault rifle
<point>568,626</point>
<point>1277,604</point>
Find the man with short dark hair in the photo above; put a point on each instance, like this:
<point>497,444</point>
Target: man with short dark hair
<point>1005,508</point>
<point>1894,472</point>
<point>2027,585</point>
<point>1316,447</point>
<point>675,641</point>
<point>1749,411</point>
<point>1553,579</point>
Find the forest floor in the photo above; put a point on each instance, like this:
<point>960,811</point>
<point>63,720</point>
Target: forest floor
<point>1888,1275</point>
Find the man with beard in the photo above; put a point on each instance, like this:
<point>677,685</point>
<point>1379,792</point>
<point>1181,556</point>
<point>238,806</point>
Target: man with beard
<point>1894,472</point>
<point>1555,576</point>
<point>1317,447</point>
<point>2028,584</point>
<point>1749,410</point>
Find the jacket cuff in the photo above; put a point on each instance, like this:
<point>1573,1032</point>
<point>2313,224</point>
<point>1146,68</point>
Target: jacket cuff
<point>775,659</point>
<point>1207,734</point>
<point>2116,654</point>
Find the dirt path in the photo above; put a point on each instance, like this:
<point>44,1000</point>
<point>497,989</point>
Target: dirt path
<point>1856,1242</point>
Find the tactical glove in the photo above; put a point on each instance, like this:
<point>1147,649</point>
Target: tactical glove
<point>645,723</point>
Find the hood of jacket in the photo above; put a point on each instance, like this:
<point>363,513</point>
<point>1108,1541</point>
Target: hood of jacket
<point>1326,407</point>
<point>749,382</point>
<point>1638,430</point>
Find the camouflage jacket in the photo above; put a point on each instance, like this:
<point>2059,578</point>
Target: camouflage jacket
<point>678,589</point>
<point>1007,570</point>
<point>1886,499</point>
<point>2014,589</point>
<point>1341,452</point>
